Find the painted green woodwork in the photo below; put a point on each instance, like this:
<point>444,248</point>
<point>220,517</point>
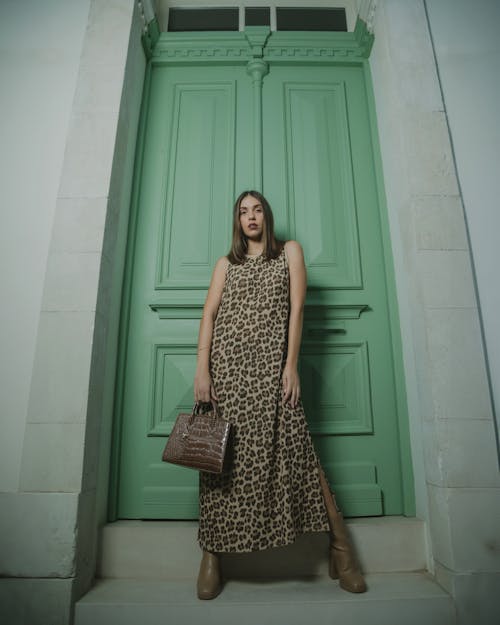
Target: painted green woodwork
<point>321,182</point>
<point>301,123</point>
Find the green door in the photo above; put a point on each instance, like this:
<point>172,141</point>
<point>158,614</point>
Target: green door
<point>201,131</point>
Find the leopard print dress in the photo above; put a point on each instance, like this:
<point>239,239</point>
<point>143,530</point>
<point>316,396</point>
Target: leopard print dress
<point>271,491</point>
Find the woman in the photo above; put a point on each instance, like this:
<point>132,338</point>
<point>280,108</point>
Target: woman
<point>248,347</point>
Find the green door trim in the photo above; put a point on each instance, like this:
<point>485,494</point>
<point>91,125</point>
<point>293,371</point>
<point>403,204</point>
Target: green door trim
<point>394,325</point>
<point>223,45</point>
<point>281,48</point>
<point>116,430</point>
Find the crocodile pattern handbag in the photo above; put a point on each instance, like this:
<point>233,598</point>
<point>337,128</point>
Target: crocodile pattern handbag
<point>199,440</point>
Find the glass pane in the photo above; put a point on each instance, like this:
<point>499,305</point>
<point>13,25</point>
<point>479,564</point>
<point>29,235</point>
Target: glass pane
<point>311,19</point>
<point>257,16</point>
<point>203,19</point>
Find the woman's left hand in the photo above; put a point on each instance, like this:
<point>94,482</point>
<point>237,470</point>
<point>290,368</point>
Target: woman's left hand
<point>291,385</point>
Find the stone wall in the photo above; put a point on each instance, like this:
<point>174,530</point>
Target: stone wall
<point>49,526</point>
<point>453,435</point>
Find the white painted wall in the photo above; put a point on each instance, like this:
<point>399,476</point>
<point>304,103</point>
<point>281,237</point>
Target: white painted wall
<point>467,49</point>
<point>40,48</point>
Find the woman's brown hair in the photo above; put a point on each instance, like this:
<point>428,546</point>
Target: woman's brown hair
<point>239,245</point>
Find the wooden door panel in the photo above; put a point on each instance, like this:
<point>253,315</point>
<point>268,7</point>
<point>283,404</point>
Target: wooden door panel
<point>201,152</point>
<point>168,493</point>
<point>191,166</point>
<point>174,368</point>
<point>316,122</point>
<point>336,384</point>
<point>315,146</point>
<point>356,487</point>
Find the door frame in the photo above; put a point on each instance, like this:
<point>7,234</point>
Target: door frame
<point>283,47</point>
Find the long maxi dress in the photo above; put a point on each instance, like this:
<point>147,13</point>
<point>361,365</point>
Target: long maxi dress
<point>271,492</point>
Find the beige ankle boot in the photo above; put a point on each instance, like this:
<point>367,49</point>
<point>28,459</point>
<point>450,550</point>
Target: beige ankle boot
<point>343,565</point>
<point>209,582</point>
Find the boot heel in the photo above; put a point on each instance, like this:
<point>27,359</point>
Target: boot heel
<point>209,583</point>
<point>343,565</point>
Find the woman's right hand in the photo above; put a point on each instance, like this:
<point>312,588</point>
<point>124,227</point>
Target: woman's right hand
<point>204,389</point>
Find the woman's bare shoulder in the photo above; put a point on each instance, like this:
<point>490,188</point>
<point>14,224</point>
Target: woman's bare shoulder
<point>221,263</point>
<point>293,249</point>
<point>224,260</point>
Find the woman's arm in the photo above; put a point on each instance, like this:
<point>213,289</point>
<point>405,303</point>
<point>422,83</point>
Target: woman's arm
<point>203,387</point>
<point>298,287</point>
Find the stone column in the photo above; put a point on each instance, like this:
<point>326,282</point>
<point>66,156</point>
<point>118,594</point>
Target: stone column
<point>455,456</point>
<point>52,521</point>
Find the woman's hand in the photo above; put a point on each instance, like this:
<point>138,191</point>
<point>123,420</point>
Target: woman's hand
<point>291,385</point>
<point>204,389</point>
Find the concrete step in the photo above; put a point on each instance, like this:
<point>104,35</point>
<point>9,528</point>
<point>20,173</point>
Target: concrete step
<point>169,550</point>
<point>391,599</point>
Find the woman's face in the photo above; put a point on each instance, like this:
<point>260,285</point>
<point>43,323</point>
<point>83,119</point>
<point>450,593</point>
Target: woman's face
<point>252,217</point>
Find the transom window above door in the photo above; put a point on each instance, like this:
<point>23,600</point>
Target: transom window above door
<point>176,17</point>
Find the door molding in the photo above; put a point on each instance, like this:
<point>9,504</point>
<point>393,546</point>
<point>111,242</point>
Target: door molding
<point>256,42</point>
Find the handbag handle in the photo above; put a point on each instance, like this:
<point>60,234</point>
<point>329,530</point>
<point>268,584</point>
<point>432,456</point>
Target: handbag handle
<point>195,412</point>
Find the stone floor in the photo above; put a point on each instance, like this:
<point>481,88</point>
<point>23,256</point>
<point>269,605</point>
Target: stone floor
<point>391,599</point>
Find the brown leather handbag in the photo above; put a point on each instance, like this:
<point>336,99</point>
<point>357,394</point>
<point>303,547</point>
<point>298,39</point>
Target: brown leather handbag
<point>199,440</point>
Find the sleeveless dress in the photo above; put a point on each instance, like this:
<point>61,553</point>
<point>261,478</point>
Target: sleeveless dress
<point>271,491</point>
